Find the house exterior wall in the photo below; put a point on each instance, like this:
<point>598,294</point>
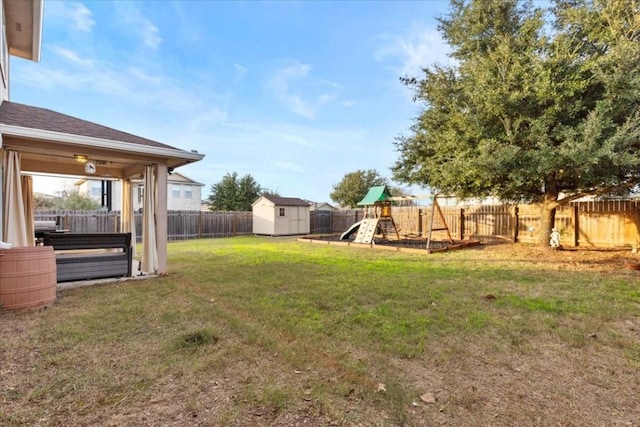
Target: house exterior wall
<point>4,57</point>
<point>182,195</point>
<point>4,94</point>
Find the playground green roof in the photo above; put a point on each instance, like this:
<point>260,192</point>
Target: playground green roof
<point>376,194</point>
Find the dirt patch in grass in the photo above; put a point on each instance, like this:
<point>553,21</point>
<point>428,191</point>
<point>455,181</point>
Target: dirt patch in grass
<point>566,258</point>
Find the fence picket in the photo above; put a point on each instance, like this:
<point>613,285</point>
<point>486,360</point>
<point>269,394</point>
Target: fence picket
<point>592,223</point>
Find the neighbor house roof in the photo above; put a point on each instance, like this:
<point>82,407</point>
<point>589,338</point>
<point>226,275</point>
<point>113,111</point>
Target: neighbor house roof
<point>26,116</point>
<point>376,194</point>
<point>286,201</point>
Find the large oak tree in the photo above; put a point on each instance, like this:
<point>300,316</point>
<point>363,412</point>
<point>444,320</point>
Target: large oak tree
<point>539,105</point>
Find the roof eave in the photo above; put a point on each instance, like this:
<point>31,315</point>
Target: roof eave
<point>36,34</point>
<point>79,140</point>
<point>29,45</point>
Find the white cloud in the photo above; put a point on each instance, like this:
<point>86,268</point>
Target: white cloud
<point>71,56</point>
<point>289,166</point>
<point>206,118</point>
<point>144,76</point>
<point>132,19</point>
<point>241,71</point>
<point>81,17</point>
<point>411,52</point>
<point>73,15</point>
<point>289,84</point>
<point>150,34</point>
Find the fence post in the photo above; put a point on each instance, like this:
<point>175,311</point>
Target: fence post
<point>576,225</point>
<point>462,224</point>
<point>200,225</point>
<point>234,224</point>
<point>516,225</point>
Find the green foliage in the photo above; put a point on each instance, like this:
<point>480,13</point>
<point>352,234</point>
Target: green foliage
<point>354,186</point>
<point>234,194</point>
<point>73,200</point>
<point>43,202</point>
<point>270,192</point>
<point>540,105</point>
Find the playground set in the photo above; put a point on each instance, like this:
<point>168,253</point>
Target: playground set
<point>378,221</point>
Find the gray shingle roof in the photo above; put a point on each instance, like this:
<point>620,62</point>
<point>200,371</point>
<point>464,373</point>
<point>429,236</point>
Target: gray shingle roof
<point>14,114</point>
<point>286,201</point>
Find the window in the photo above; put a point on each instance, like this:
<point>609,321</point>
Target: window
<point>176,191</point>
<point>282,213</point>
<point>140,194</point>
<point>96,189</point>
<point>188,194</point>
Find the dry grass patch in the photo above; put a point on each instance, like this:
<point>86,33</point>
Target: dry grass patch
<point>256,331</point>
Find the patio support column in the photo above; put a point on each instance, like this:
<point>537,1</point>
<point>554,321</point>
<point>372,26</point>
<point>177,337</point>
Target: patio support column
<point>149,241</point>
<point>161,217</point>
<point>27,200</point>
<point>127,220</point>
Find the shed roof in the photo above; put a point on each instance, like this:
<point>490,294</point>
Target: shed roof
<point>376,194</point>
<point>286,201</point>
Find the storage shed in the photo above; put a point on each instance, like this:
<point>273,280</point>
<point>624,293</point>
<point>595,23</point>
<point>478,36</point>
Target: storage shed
<point>280,216</point>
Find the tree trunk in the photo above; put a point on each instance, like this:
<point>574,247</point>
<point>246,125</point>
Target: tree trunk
<point>547,219</point>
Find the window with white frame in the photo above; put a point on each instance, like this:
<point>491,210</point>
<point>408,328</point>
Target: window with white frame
<point>176,191</point>
<point>140,194</point>
<point>188,193</point>
<point>96,189</point>
<point>282,212</point>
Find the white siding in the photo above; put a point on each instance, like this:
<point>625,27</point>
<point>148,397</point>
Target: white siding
<point>4,58</point>
<point>263,217</point>
<point>278,220</point>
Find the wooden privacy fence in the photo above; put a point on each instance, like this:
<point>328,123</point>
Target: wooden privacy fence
<point>181,225</point>
<point>585,224</point>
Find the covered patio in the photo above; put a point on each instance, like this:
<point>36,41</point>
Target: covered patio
<point>38,140</point>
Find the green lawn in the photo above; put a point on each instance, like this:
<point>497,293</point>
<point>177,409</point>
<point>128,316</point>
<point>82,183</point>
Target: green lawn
<point>260,331</point>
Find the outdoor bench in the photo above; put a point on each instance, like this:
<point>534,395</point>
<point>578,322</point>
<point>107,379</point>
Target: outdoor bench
<point>90,255</point>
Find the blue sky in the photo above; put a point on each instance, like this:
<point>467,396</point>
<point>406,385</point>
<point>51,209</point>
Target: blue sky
<point>297,94</point>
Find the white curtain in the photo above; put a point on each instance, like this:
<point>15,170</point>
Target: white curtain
<point>27,200</point>
<point>149,245</point>
<point>127,219</point>
<point>15,225</point>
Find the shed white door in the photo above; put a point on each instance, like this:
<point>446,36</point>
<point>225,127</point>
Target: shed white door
<point>303,220</point>
<point>293,220</point>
